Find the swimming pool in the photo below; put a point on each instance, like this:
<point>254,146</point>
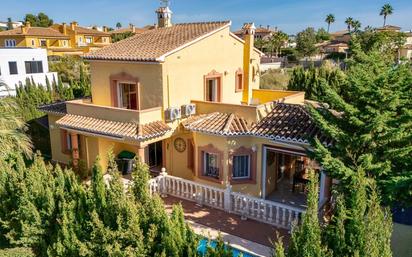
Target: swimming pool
<point>203,245</point>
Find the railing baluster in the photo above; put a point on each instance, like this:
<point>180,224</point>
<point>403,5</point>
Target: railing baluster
<point>274,213</point>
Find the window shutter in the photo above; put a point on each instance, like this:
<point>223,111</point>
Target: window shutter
<point>113,92</point>
<point>191,155</point>
<point>63,137</point>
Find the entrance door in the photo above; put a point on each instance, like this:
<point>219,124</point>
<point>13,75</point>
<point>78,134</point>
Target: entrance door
<point>155,155</point>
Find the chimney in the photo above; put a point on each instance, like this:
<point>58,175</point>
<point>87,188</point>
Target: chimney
<point>73,25</point>
<point>249,37</point>
<point>25,27</point>
<point>9,24</point>
<point>132,28</point>
<point>64,28</point>
<point>105,29</point>
<point>164,17</point>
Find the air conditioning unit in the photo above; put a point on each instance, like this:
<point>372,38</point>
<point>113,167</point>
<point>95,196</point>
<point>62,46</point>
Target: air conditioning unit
<point>188,109</point>
<point>173,113</point>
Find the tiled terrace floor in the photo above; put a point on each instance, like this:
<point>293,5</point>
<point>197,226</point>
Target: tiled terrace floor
<point>251,230</point>
<point>284,194</point>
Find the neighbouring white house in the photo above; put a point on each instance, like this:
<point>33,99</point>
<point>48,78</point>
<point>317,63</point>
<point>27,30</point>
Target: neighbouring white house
<point>10,25</point>
<point>18,64</point>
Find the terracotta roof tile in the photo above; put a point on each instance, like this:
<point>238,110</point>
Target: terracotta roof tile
<point>34,31</point>
<point>289,122</point>
<point>126,30</point>
<point>123,130</point>
<point>286,122</point>
<point>153,44</point>
<point>226,124</point>
<point>87,31</point>
<point>58,108</point>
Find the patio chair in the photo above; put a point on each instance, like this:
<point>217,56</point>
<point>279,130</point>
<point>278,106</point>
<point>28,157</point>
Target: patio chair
<point>298,177</point>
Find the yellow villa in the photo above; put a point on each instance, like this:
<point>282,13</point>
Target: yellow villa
<point>83,39</point>
<point>58,39</point>
<point>186,97</point>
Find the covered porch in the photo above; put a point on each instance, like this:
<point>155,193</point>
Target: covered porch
<point>285,173</point>
<point>84,138</point>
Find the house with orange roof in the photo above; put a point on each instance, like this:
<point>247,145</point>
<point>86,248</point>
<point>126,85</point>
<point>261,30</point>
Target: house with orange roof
<point>185,98</point>
<point>260,32</point>
<point>84,39</point>
<point>58,39</point>
<point>36,37</point>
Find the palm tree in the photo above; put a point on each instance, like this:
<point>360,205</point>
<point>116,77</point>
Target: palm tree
<point>277,40</point>
<point>349,23</point>
<point>356,24</point>
<point>386,10</point>
<point>330,18</point>
<point>260,44</point>
<point>12,127</point>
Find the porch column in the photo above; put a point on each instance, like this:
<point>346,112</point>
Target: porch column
<point>75,149</point>
<point>141,154</point>
<point>325,188</point>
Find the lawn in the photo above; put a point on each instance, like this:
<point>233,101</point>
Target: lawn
<point>275,79</point>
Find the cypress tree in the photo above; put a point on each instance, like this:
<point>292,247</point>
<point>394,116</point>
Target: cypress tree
<point>98,192</point>
<point>306,238</point>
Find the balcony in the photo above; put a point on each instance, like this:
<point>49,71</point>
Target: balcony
<point>84,107</point>
<point>262,96</point>
<point>263,101</point>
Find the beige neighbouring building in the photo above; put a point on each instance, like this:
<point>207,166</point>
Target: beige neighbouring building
<point>186,97</point>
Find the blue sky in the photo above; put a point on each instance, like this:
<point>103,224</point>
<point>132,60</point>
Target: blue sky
<point>289,15</point>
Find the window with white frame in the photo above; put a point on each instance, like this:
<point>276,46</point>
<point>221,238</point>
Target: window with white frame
<point>241,166</point>
<point>210,165</point>
<point>65,43</point>
<point>89,40</point>
<point>33,42</point>
<point>10,43</point>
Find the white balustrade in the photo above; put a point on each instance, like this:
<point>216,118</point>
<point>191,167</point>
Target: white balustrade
<point>274,213</point>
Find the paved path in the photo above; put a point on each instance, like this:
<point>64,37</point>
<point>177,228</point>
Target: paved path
<point>251,230</point>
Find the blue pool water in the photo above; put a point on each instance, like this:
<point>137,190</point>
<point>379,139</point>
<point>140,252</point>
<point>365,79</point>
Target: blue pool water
<point>203,245</point>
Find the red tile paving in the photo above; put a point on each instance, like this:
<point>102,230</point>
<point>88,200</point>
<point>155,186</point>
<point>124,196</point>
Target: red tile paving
<point>251,230</point>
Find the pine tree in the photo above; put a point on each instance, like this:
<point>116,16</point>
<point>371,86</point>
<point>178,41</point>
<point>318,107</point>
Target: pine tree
<point>371,125</point>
